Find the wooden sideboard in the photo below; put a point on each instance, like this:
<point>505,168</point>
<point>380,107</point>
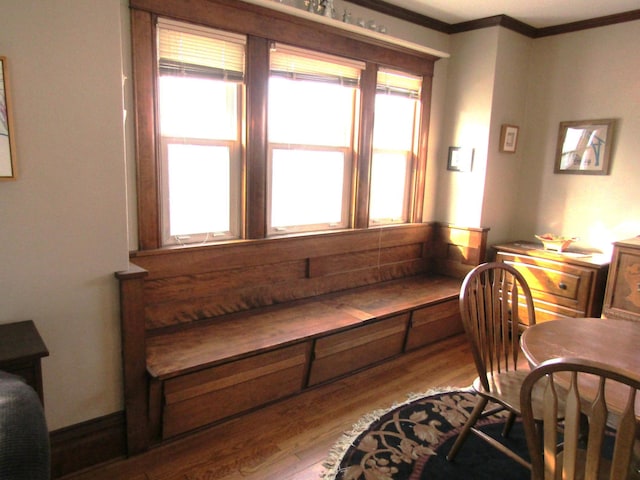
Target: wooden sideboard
<point>567,284</point>
<point>622,297</point>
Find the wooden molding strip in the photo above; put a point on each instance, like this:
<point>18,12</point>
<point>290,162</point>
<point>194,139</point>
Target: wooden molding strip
<point>586,24</point>
<point>505,21</point>
<point>87,444</point>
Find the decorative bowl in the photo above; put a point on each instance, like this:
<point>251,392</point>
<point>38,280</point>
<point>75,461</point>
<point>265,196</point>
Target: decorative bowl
<point>555,242</point>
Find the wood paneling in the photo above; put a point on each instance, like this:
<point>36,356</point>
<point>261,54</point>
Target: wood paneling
<point>457,250</point>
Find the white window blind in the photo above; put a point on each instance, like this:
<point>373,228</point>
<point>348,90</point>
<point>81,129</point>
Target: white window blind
<point>185,48</point>
<point>301,64</point>
<point>398,83</point>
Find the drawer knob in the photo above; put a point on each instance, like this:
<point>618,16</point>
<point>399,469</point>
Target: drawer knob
<point>562,286</point>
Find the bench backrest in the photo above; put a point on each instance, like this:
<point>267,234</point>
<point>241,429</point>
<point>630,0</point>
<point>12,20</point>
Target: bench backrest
<point>196,283</point>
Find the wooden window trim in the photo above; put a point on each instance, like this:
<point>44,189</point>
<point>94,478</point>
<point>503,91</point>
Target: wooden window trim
<point>262,26</point>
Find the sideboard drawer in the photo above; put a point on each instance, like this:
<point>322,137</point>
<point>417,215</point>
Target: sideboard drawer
<point>341,353</point>
<point>568,284</point>
<point>554,282</point>
<point>203,397</point>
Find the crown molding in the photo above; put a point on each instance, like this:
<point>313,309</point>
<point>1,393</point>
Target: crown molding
<point>505,21</point>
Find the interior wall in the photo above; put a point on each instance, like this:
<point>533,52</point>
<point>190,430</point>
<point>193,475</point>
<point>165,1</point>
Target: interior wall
<point>508,107</point>
<point>466,122</point>
<point>63,220</point>
<point>591,74</point>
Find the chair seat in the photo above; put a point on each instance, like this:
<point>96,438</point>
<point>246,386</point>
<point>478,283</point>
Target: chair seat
<point>505,390</point>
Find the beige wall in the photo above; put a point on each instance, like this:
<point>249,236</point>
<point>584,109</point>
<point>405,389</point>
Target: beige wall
<point>584,75</point>
<point>63,222</point>
<point>536,84</point>
<point>470,79</point>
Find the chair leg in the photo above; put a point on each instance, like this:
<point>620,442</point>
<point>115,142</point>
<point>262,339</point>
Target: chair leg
<point>508,424</point>
<point>473,418</point>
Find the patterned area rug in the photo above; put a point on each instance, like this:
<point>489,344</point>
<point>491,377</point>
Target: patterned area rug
<point>410,442</point>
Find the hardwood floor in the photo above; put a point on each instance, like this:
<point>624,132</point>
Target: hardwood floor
<point>290,440</point>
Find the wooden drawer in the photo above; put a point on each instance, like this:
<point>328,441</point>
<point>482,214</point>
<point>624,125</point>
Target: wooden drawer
<point>203,397</point>
<point>434,323</point>
<point>341,353</point>
<point>546,311</point>
<point>554,282</point>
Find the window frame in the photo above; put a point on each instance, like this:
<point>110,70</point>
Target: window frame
<point>249,19</point>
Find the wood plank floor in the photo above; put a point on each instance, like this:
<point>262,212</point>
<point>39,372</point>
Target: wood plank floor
<point>290,440</point>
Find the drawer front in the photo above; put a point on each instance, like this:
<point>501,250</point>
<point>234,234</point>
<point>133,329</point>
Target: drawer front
<point>554,282</point>
<point>434,323</point>
<point>546,311</point>
<point>341,353</point>
<point>203,397</point>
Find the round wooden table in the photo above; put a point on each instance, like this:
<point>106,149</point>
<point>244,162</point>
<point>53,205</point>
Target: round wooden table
<point>614,342</point>
<point>609,341</point>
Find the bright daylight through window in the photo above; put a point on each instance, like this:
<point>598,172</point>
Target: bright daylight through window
<point>312,100</point>
<point>200,84</point>
<point>394,142</point>
<point>219,180</point>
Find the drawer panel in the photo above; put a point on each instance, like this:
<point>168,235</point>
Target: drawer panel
<point>434,323</point>
<point>554,282</point>
<point>341,353</point>
<point>199,398</point>
<point>547,311</point>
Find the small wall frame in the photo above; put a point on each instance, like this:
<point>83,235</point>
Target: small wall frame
<point>7,146</point>
<point>509,138</point>
<point>460,159</point>
<point>584,147</point>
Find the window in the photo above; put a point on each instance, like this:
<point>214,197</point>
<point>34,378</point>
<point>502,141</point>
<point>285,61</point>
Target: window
<point>242,136</point>
<point>312,102</point>
<point>397,109</point>
<point>200,74</point>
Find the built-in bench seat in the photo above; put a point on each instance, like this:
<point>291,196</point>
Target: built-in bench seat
<point>201,346</point>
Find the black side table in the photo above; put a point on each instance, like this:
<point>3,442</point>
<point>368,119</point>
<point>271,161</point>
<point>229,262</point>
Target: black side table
<point>21,349</point>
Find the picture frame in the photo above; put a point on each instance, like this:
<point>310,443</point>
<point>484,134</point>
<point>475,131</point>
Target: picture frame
<point>7,145</point>
<point>460,159</point>
<point>584,147</point>
<point>509,138</point>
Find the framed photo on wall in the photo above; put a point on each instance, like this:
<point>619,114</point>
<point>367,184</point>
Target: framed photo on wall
<point>509,138</point>
<point>7,146</point>
<point>460,159</point>
<point>584,147</point>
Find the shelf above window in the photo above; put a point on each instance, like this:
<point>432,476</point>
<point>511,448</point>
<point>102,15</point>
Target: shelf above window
<point>274,5</point>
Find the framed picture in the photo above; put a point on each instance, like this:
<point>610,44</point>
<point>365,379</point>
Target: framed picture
<point>509,138</point>
<point>7,148</point>
<point>460,159</point>
<point>584,147</point>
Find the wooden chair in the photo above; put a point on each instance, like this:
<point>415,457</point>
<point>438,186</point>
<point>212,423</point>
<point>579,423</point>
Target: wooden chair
<point>568,459</point>
<point>489,299</point>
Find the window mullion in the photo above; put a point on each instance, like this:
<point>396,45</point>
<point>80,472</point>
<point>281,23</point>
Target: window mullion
<point>257,80</point>
<point>368,82</point>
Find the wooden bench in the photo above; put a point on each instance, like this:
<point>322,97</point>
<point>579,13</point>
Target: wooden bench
<point>212,332</point>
